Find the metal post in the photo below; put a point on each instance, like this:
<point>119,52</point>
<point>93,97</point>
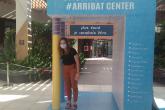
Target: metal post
<point>8,79</point>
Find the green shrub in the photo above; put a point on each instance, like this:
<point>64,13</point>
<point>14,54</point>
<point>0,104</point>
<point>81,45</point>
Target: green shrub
<point>40,55</point>
<point>82,59</point>
<point>9,47</point>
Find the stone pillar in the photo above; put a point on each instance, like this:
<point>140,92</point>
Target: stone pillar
<point>23,28</point>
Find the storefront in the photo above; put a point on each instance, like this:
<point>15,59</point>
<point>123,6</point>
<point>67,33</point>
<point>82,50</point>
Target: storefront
<point>93,48</point>
<point>93,35</point>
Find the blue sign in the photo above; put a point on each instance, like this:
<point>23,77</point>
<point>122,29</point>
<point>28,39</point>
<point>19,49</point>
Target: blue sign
<point>138,47</point>
<point>92,7</point>
<point>91,30</point>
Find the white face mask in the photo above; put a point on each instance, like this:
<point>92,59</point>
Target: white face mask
<point>63,46</point>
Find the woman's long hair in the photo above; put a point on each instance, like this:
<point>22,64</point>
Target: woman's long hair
<point>62,52</point>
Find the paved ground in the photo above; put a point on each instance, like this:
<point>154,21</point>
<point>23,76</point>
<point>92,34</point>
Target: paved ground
<point>159,94</point>
<point>29,96</point>
<point>95,76</point>
<point>96,72</point>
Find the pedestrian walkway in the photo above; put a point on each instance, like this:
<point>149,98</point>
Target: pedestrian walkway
<point>26,96</point>
<point>159,94</point>
<point>96,77</point>
<point>25,87</point>
<point>94,86</point>
<point>94,101</point>
<point>97,71</point>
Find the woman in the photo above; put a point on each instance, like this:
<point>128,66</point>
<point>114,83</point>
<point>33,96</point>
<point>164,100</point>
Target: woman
<point>70,60</point>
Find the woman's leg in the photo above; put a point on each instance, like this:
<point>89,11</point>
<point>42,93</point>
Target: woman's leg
<point>74,84</point>
<point>67,83</point>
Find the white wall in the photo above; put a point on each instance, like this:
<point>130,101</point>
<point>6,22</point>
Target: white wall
<point>23,17</point>
<point>118,64</point>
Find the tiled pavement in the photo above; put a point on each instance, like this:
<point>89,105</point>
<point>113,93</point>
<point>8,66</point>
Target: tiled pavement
<point>159,94</point>
<point>26,96</point>
<point>37,96</point>
<point>95,76</point>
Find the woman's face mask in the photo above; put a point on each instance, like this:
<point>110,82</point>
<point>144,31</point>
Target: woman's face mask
<point>63,46</point>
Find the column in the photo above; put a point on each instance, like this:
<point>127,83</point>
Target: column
<point>56,65</point>
<point>23,28</point>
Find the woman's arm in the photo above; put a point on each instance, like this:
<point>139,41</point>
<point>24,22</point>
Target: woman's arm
<point>76,57</point>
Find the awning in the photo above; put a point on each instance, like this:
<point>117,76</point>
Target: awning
<point>39,4</point>
<point>8,7</point>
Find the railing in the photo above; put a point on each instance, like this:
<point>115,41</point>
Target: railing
<point>33,72</point>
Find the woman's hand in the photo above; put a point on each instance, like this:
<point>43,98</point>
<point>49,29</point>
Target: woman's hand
<point>77,76</point>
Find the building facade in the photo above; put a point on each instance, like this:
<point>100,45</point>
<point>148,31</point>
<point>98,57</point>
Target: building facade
<point>18,15</point>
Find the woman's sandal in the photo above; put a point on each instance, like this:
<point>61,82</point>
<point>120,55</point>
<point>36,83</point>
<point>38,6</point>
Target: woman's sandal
<point>68,105</point>
<point>74,107</point>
